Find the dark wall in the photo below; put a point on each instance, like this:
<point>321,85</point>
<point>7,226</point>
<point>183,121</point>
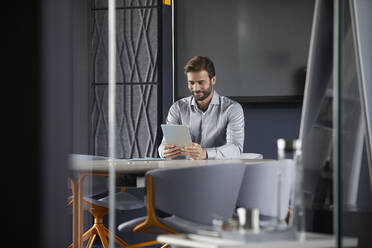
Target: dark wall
<point>267,122</point>
<point>264,122</point>
<point>38,88</point>
<point>259,47</point>
<point>20,172</point>
<point>56,121</point>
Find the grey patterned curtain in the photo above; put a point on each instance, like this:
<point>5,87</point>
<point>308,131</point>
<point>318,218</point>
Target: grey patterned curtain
<point>138,85</point>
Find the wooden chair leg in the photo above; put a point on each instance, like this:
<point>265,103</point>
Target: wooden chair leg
<point>88,234</point>
<point>151,219</point>
<point>144,244</point>
<point>91,241</point>
<point>102,236</point>
<point>117,239</point>
<point>120,242</point>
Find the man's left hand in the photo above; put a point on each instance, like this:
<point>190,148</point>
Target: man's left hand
<point>195,151</point>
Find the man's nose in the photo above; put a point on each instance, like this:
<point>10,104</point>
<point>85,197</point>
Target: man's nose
<point>196,87</point>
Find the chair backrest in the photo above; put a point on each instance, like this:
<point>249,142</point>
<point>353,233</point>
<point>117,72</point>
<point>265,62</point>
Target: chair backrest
<point>263,184</point>
<point>199,193</point>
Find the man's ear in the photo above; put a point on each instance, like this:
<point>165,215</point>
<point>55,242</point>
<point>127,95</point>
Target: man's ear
<point>213,80</point>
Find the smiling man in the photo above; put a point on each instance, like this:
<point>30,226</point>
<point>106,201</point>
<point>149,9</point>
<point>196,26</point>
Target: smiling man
<point>216,123</point>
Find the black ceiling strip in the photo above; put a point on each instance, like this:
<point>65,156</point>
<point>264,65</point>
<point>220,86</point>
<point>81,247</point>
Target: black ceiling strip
<point>129,7</point>
<point>134,83</point>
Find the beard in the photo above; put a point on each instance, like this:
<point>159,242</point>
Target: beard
<point>202,94</point>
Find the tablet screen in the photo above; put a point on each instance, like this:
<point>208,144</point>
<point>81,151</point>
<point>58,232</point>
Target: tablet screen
<point>177,135</point>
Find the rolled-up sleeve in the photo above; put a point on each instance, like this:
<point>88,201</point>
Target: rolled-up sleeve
<point>172,118</point>
<point>234,136</point>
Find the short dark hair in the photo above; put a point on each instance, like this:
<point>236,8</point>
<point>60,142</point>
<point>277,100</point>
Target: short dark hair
<point>199,63</point>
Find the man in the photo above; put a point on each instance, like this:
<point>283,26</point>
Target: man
<point>216,123</point>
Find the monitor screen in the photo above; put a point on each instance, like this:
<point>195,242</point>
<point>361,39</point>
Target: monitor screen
<point>259,47</point>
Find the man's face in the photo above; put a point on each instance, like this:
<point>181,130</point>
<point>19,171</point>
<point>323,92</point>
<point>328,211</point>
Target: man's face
<point>200,85</point>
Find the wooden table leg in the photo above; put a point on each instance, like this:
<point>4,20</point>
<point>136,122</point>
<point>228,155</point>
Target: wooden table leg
<point>77,183</point>
<point>77,211</point>
<point>80,211</point>
<point>74,212</point>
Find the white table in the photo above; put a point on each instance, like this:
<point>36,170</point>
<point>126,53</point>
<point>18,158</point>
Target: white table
<point>313,240</point>
<point>82,168</point>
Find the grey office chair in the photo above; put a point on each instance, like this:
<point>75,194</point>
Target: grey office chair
<point>263,184</point>
<point>97,202</point>
<point>193,196</point>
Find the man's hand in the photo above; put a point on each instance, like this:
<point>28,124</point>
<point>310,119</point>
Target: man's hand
<point>171,151</point>
<point>194,151</point>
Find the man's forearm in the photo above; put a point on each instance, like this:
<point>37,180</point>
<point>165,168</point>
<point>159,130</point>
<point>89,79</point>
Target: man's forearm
<point>224,152</point>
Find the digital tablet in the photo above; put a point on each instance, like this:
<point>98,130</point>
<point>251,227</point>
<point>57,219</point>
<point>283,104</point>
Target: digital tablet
<point>177,135</point>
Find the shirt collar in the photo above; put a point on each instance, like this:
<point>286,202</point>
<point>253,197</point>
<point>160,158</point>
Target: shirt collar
<point>215,99</point>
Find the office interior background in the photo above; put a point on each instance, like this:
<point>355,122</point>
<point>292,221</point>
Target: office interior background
<point>55,95</point>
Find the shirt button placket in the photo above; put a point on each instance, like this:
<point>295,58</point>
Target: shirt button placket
<point>202,127</point>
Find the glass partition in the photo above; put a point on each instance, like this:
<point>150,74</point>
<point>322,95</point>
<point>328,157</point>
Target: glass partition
<point>117,109</point>
<point>354,108</point>
<point>116,95</point>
